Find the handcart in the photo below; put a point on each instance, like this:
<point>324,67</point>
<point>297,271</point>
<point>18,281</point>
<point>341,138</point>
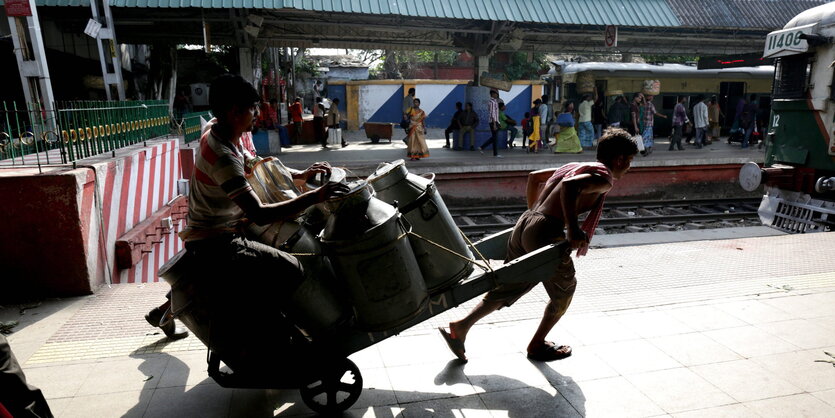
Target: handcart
<point>328,381</point>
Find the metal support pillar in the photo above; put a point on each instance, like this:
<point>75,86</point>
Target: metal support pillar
<point>34,72</point>
<point>110,55</point>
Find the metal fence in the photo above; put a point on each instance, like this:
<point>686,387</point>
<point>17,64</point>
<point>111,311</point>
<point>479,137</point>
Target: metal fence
<point>73,130</point>
<point>191,124</point>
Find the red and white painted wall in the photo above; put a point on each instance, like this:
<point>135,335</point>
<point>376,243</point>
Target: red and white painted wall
<point>61,227</point>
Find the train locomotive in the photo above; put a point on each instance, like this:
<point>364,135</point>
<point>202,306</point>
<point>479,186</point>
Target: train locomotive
<point>799,170</point>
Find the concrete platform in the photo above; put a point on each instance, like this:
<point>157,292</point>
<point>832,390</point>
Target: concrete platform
<point>361,156</point>
<point>731,327</point>
<point>465,176</point>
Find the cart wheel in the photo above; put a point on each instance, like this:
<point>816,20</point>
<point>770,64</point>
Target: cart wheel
<point>375,139</point>
<point>335,390</point>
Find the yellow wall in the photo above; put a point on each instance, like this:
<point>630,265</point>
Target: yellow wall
<point>686,85</point>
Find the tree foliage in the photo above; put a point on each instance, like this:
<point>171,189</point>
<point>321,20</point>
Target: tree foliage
<point>520,69</point>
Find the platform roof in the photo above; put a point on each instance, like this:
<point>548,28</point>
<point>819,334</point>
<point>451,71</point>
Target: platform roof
<point>704,27</point>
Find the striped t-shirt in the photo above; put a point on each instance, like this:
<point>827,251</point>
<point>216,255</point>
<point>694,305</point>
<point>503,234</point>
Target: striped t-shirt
<point>218,178</point>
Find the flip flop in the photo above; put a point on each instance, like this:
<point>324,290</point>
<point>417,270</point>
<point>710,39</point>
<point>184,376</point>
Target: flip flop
<point>550,352</point>
<point>455,345</point>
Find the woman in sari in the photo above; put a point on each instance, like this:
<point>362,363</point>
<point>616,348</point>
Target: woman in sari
<point>567,139</point>
<point>534,139</point>
<point>416,141</point>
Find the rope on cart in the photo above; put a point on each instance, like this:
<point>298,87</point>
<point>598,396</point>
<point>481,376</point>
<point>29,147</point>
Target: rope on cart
<point>485,266</point>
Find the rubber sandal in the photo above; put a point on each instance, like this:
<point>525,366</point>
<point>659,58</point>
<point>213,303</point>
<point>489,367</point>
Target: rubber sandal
<point>550,352</point>
<point>455,345</point>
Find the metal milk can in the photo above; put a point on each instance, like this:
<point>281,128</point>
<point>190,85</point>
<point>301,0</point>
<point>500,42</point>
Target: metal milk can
<point>369,249</point>
<point>314,306</point>
<point>418,200</point>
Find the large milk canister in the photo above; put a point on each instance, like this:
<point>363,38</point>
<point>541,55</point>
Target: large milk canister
<point>314,305</point>
<point>370,251</point>
<point>418,200</point>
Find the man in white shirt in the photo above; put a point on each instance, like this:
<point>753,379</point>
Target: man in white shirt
<point>584,122</point>
<point>545,119</point>
<point>700,121</point>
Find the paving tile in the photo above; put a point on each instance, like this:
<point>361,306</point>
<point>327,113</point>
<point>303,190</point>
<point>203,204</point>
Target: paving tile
<point>745,380</point>
<point>58,405</point>
<point>694,348</point>
<point>805,306</point>
<point>611,397</point>
<point>635,356</point>
<point>126,374</point>
<point>678,390</point>
<point>58,381</point>
<point>205,401</point>
<point>390,411</point>
<point>122,404</point>
<point>185,369</point>
<point>490,341</point>
<point>737,410</point>
<point>827,396</point>
<point>801,332</point>
<point>368,358</point>
<point>705,317</point>
<point>503,373</point>
<point>246,403</point>
<point>800,405</point>
<point>376,389</point>
<point>652,323</point>
<point>465,406</point>
<point>412,350</point>
<point>750,341</point>
<point>429,381</point>
<point>801,368</point>
<point>596,329</point>
<point>755,311</point>
<point>581,366</point>
<point>530,402</point>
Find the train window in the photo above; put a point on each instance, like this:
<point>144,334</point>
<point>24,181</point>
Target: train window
<point>669,102</point>
<point>791,79</point>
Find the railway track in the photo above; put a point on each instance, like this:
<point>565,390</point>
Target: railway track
<point>626,216</point>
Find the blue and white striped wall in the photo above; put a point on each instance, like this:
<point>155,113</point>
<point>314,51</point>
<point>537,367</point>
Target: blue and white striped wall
<point>381,100</point>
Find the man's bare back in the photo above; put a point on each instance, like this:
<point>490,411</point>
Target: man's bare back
<point>566,199</point>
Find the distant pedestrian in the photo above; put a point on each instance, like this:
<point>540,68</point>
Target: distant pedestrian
<point>273,113</point>
<point>319,123</point>
<point>493,122</point>
<point>527,129</point>
<point>545,120</point>
<point>506,123</point>
<point>535,142</point>
<point>296,116</point>
<point>649,121</point>
<point>585,126</point>
<point>598,115</point>
<point>748,119</point>
<point>332,121</point>
<point>406,107</point>
<point>714,112</point>
<point>740,107</point>
<point>700,121</point>
<point>468,121</point>
<point>618,115</point>
<point>567,139</point>
<point>454,124</point>
<point>635,113</point>
<point>679,121</point>
<point>416,143</point>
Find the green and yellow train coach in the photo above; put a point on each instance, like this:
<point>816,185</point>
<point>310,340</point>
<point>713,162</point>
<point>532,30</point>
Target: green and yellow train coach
<point>570,81</point>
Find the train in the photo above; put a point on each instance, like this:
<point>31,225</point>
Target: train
<point>798,174</point>
<point>729,85</point>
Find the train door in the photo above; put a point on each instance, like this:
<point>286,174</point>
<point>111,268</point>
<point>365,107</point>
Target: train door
<point>730,92</point>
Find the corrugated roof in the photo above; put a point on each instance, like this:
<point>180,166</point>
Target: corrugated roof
<point>753,14</point>
<point>653,13</point>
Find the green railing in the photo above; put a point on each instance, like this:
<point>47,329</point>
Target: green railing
<point>191,126</point>
<point>77,129</point>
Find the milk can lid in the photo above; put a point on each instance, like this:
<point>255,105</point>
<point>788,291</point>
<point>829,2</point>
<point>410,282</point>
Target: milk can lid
<point>388,174</point>
<point>358,192</point>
